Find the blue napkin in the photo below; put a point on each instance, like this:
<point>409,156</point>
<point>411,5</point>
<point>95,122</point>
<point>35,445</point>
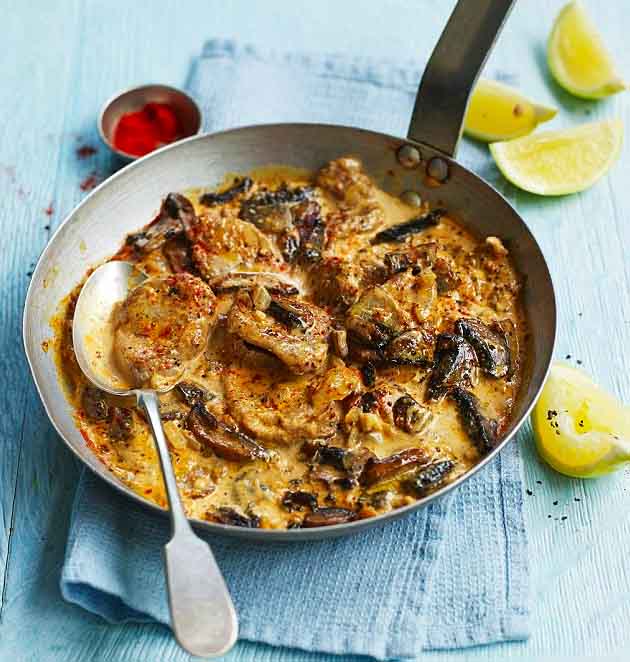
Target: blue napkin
<point>452,575</point>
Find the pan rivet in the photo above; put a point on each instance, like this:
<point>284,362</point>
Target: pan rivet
<point>437,168</point>
<point>408,156</point>
<point>411,198</point>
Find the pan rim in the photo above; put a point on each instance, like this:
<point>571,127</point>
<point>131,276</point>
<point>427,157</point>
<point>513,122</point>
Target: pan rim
<point>293,535</point>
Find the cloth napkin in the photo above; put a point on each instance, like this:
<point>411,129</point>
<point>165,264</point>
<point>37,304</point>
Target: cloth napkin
<point>452,575</point>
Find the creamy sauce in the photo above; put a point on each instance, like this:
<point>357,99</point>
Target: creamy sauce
<point>255,398</point>
<point>98,343</point>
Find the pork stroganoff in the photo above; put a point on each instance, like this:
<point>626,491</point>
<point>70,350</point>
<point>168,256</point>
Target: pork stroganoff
<point>336,353</point>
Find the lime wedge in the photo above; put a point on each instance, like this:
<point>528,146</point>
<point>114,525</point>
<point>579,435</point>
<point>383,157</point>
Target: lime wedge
<point>580,429</point>
<point>578,58</point>
<point>499,112</point>
<point>560,162</point>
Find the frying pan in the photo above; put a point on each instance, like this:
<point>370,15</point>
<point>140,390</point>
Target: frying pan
<point>95,228</point>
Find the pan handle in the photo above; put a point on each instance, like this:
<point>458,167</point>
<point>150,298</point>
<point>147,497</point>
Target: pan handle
<point>452,70</point>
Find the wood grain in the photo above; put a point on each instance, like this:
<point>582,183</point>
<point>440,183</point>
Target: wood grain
<point>60,61</point>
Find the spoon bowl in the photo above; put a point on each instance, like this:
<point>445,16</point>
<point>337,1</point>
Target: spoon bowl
<point>92,330</point>
<point>202,614</point>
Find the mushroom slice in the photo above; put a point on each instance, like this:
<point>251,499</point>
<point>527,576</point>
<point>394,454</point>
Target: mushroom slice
<point>311,229</point>
<point>224,441</point>
<point>414,347</point>
<point>284,213</point>
<point>339,341</point>
<point>191,393</point>
<point>234,518</point>
<point>352,462</point>
<point>481,430</point>
<point>490,345</point>
<point>328,517</point>
<point>94,403</point>
<point>295,331</point>
<point>508,327</point>
<point>178,253</point>
<point>400,232</point>
<point>120,423</point>
<point>446,277</point>
<point>393,467</point>
<point>376,318</point>
<point>299,500</point>
<point>256,208</point>
<point>323,454</point>
<point>176,216</point>
<point>286,313</point>
<point>428,478</point>
<point>245,280</point>
<point>240,186</point>
<point>273,218</point>
<point>455,365</point>
<point>410,415</point>
<point>162,328</point>
<point>396,262</point>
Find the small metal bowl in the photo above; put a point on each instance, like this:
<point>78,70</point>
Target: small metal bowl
<point>187,111</point>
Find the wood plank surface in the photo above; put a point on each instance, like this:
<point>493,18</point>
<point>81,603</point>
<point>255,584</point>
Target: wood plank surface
<point>61,59</point>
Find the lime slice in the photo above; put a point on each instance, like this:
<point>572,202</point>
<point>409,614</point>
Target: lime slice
<point>499,112</point>
<point>560,162</point>
<point>580,430</point>
<point>578,58</point>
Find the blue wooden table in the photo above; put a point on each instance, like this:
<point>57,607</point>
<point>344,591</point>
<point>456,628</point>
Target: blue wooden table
<point>60,60</point>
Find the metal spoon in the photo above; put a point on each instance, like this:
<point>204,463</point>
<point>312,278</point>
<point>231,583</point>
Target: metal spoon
<point>202,614</point>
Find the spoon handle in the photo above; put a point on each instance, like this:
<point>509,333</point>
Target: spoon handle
<point>202,613</point>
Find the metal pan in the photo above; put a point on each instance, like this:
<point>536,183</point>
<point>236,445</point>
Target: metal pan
<point>95,229</point>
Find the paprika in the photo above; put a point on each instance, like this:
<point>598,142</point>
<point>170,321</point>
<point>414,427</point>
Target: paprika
<point>140,132</point>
